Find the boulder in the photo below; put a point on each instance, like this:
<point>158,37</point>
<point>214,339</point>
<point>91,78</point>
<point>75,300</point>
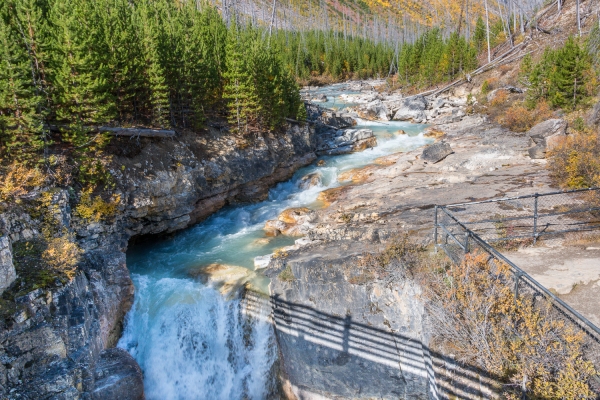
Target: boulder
<point>537,152</point>
<point>376,109</point>
<point>7,268</point>
<point>554,141</point>
<point>320,99</point>
<point>310,180</point>
<point>228,279</point>
<point>345,141</point>
<point>413,108</point>
<point>118,376</point>
<point>546,136</point>
<point>436,152</point>
<point>291,222</point>
<point>547,128</point>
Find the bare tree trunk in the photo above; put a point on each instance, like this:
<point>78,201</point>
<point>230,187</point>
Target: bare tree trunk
<point>487,24</point>
<point>578,20</point>
<point>272,18</point>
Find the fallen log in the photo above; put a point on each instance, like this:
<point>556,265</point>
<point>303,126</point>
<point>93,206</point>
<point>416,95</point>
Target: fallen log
<point>118,131</point>
<point>137,132</point>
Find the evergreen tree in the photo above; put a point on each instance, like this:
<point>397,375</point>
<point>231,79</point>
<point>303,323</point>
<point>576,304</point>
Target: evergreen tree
<point>239,90</point>
<point>152,42</point>
<point>79,74</point>
<point>22,101</point>
<point>560,76</point>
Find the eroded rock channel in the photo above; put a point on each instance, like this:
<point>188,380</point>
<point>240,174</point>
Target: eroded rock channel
<point>287,216</point>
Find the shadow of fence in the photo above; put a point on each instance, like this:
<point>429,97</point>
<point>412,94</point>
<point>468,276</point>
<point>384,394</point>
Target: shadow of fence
<point>331,356</point>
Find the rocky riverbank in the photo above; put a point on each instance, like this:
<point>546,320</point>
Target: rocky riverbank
<point>57,338</point>
<point>346,333</point>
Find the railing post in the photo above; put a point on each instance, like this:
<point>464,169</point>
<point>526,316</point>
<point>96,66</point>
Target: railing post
<point>467,234</point>
<point>535,218</point>
<point>435,230</point>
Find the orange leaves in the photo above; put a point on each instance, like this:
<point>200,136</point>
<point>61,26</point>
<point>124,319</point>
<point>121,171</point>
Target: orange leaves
<point>517,341</point>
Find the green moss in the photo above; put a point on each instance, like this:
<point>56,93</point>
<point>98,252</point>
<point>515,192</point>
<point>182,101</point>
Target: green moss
<point>31,270</point>
<point>287,275</point>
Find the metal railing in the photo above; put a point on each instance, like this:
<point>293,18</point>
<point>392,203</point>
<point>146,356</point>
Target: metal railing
<point>463,228</point>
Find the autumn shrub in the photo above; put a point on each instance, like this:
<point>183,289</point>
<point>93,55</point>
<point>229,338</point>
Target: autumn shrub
<point>62,255</point>
<point>18,180</point>
<point>519,118</point>
<point>95,208</point>
<point>474,312</point>
<point>575,162</point>
<point>501,96</point>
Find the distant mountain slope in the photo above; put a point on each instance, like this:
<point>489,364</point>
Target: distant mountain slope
<point>392,20</point>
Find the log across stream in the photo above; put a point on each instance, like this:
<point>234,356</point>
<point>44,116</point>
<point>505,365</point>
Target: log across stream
<point>193,342</point>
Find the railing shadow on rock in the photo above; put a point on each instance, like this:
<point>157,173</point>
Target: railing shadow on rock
<point>331,355</point>
<point>487,225</point>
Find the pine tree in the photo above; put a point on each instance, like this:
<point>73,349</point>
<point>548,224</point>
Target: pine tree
<point>152,42</point>
<point>22,108</point>
<point>79,76</point>
<point>239,91</point>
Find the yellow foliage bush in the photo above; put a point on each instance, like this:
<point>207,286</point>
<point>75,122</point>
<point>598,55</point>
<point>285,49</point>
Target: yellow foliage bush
<point>575,163</point>
<point>501,96</point>
<point>62,255</point>
<point>475,312</point>
<point>518,118</point>
<point>19,180</point>
<point>94,208</point>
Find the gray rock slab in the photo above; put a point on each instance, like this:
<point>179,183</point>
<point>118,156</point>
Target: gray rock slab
<point>7,268</point>
<point>436,152</point>
<point>547,128</point>
<point>537,152</point>
<point>118,376</point>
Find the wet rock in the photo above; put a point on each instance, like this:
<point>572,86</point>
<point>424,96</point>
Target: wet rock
<point>291,222</point>
<point>320,99</point>
<point>261,262</point>
<point>7,268</point>
<point>118,376</point>
<point>228,279</point>
<point>345,141</point>
<point>357,175</point>
<point>310,180</point>
<point>436,152</point>
<point>330,195</point>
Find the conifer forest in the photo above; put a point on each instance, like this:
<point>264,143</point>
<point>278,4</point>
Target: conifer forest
<point>69,65</point>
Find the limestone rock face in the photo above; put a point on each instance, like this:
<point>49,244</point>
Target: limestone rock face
<point>342,337</point>
<point>436,152</point>
<point>7,268</point>
<point>118,376</point>
<point>54,341</point>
